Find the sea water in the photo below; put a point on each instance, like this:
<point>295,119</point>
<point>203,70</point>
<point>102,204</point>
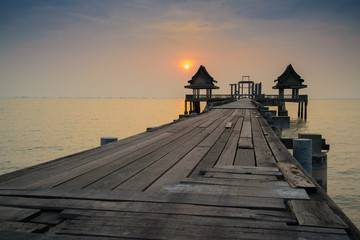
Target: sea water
<point>36,130</point>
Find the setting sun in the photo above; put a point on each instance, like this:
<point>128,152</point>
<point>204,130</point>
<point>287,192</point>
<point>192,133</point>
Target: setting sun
<point>186,64</point>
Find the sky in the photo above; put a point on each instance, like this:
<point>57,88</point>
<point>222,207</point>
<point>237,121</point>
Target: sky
<point>120,48</point>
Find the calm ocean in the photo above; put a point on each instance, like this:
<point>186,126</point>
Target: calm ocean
<point>35,130</point>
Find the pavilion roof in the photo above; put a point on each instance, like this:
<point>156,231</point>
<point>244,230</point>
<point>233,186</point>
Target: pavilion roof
<point>202,80</point>
<point>289,79</point>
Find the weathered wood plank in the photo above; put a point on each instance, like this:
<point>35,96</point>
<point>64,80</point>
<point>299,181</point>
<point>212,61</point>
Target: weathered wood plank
<point>23,226</point>
<point>218,142</point>
<point>47,217</point>
<point>246,129</point>
<point>183,198</point>
<point>315,213</point>
<point>17,214</point>
<point>228,155</point>
<point>263,155</point>
<point>177,228</point>
<point>182,169</point>
<point>199,220</point>
<point>262,192</point>
<point>245,143</point>
<point>215,135</point>
<point>295,177</point>
<point>239,176</point>
<point>228,125</point>
<point>246,170</point>
<point>245,157</point>
<point>149,207</point>
<point>237,182</point>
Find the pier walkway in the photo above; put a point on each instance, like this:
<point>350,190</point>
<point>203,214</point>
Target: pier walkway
<point>220,175</point>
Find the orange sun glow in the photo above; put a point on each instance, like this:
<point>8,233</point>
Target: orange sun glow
<point>186,64</point>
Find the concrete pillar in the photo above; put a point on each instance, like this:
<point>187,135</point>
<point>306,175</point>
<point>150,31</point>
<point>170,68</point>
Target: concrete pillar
<point>319,159</point>
<point>282,110</point>
<point>302,151</point>
<point>105,140</point>
<point>259,88</point>
<point>197,107</point>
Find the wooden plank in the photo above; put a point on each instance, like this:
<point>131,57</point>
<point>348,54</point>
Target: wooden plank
<point>182,169</point>
<point>263,155</point>
<point>245,157</point>
<point>245,143</point>
<point>183,198</point>
<point>214,153</point>
<point>239,176</point>
<point>295,177</point>
<point>215,135</point>
<point>213,118</point>
<point>228,125</point>
<point>48,217</point>
<point>155,228</point>
<point>149,207</point>
<point>36,236</point>
<point>199,220</point>
<point>23,227</point>
<point>17,214</point>
<point>237,182</point>
<point>246,170</point>
<point>262,192</point>
<point>228,155</point>
<point>315,213</point>
<point>246,129</point>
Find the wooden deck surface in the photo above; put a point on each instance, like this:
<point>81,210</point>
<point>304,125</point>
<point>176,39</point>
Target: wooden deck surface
<point>219,175</point>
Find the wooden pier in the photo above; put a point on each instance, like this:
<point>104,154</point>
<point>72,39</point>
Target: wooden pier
<point>220,175</point>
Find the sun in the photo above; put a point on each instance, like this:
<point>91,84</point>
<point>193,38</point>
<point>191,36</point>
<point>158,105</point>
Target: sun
<point>186,64</point>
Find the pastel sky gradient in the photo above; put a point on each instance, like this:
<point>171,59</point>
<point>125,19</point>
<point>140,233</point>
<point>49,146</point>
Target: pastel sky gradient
<point>119,48</point>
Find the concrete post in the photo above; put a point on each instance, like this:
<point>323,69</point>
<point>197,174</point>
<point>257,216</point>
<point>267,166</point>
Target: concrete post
<point>302,151</point>
<point>105,140</point>
<point>319,159</point>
